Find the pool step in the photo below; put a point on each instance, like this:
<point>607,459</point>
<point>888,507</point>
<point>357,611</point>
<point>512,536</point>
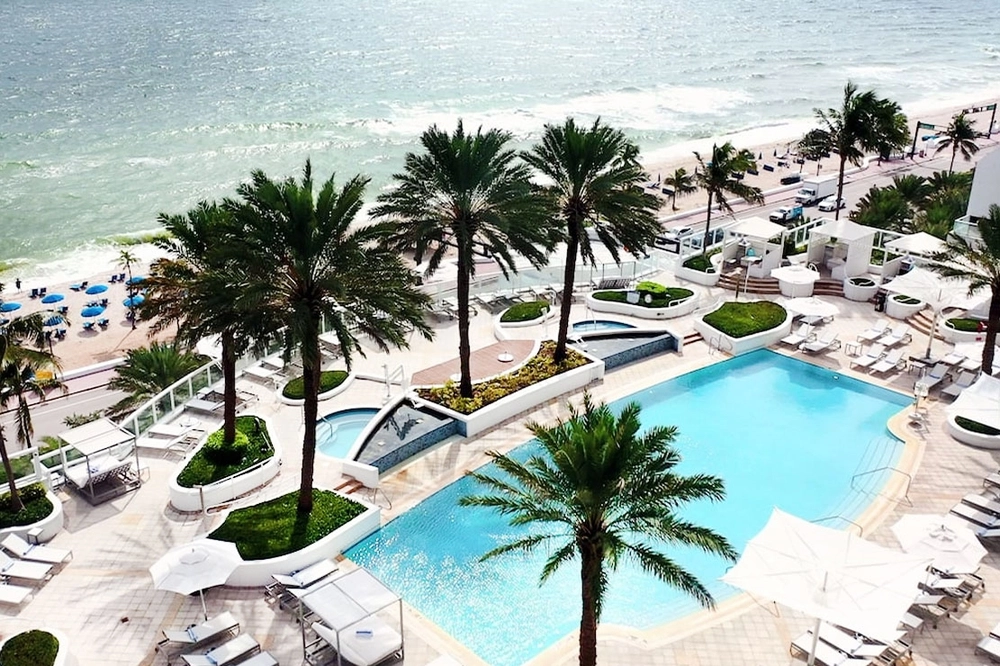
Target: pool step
<point>691,338</point>
<point>348,486</point>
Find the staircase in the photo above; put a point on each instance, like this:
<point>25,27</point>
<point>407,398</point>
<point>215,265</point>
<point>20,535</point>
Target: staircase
<point>691,338</point>
<point>922,321</point>
<point>736,281</point>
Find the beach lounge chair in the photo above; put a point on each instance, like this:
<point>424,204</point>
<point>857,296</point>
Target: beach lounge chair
<point>950,586</point>
<point>892,361</point>
<point>826,342</point>
<point>825,654</point>
<point>33,571</point>
<point>870,357</point>
<point>934,376</point>
<point>873,332</point>
<point>990,647</point>
<point>802,334</point>
<point>176,641</point>
<point>34,293</point>
<point>280,589</point>
<point>975,516</point>
<point>231,652</point>
<point>13,594</point>
<point>899,334</point>
<point>964,381</point>
<point>88,325</point>
<point>35,553</point>
<point>932,607</point>
<point>987,504</point>
<point>951,358</point>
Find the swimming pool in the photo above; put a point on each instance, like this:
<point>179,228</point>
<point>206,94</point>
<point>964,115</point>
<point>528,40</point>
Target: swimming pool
<point>599,325</point>
<point>336,432</point>
<point>772,427</point>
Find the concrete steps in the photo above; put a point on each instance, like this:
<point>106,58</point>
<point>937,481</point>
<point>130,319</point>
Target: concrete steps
<point>736,281</point>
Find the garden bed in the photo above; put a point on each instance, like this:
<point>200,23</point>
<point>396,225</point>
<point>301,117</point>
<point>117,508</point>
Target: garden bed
<point>901,306</point>
<point>35,647</point>
<point>525,314</point>
<point>860,289</point>
<point>973,433</point>
<point>698,269</point>
<point>331,383</point>
<point>649,300</point>
<point>743,327</point>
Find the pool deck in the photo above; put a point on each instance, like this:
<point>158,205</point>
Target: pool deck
<point>104,602</point>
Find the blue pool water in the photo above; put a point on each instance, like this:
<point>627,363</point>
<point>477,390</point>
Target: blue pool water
<point>336,433</point>
<point>778,431</point>
<point>600,325</point>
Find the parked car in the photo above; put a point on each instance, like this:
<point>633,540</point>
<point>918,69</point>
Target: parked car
<point>791,179</point>
<point>786,214</point>
<point>831,203</point>
<point>670,240</point>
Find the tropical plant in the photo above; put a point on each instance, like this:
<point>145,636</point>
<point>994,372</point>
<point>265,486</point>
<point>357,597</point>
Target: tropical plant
<point>863,123</point>
<point>681,183</point>
<point>304,261</point>
<point>979,263</point>
<point>594,184</point>
<point>125,259</point>
<point>960,136</point>
<point>915,190</point>
<point>606,493</point>
<point>465,193</point>
<point>719,176</point>
<point>149,370</point>
<point>884,208</point>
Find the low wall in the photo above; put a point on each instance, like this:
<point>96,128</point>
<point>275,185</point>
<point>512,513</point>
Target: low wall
<point>500,329</point>
<point>952,335</point>
<point>698,277</point>
<point>737,346</point>
<point>687,306</point>
<point>975,439</point>
<point>659,344</point>
<point>337,390</point>
<point>51,525</point>
<point>897,310</point>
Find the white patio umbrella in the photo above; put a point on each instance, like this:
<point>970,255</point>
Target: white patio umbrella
<point>974,350</point>
<point>811,307</point>
<point>830,574</point>
<point>194,566</point>
<point>953,546</point>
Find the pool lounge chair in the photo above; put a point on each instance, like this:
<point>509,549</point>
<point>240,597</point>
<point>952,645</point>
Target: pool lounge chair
<point>870,357</point>
<point>825,654</point>
<point>33,571</point>
<point>934,376</point>
<point>892,361</point>
<point>232,652</point>
<point>281,589</point>
<point>176,641</point>
<point>989,646</point>
<point>802,334</point>
<point>899,334</point>
<point>13,594</point>
<point>964,381</point>
<point>35,553</point>
<point>975,516</point>
<point>873,332</point>
<point>951,358</point>
<point>826,342</point>
<point>987,504</point>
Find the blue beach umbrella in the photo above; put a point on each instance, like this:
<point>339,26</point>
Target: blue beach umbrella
<point>52,298</point>
<point>97,289</point>
<point>133,301</point>
<point>136,279</point>
<point>54,320</point>
<point>92,311</point>
<point>10,306</point>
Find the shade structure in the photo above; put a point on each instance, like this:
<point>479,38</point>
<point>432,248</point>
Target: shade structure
<point>52,298</point>
<point>92,311</point>
<point>921,243</point>
<point>954,547</point>
<point>757,228</point>
<point>97,289</point>
<point>9,306</point>
<point>134,301</point>
<point>811,307</point>
<point>194,566</point>
<point>829,574</point>
<point>135,279</point>
<point>974,350</point>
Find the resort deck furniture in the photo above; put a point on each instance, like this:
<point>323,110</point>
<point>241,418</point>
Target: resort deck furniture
<point>35,553</point>
<point>802,334</point>
<point>13,594</point>
<point>825,654</point>
<point>873,332</point>
<point>934,376</point>
<point>281,589</point>
<point>259,372</point>
<point>971,364</point>
<point>928,607</point>
<point>992,481</point>
<point>964,381</point>
<point>176,641</point>
<point>366,643</point>
<point>897,335</point>
<point>824,343</point>
<point>990,506</point>
<point>892,361</point>
<point>870,357</point>
<point>232,652</point>
<point>950,586</point>
<point>989,646</point>
<point>951,358</point>
<point>34,571</point>
<point>202,405</point>
<point>975,516</point>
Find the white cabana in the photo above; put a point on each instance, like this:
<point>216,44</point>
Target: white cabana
<point>99,460</point>
<point>754,238</point>
<point>920,243</point>
<point>980,402</point>
<point>849,256</point>
<point>756,228</point>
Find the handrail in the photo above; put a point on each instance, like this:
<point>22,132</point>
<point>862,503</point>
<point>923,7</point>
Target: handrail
<point>861,530</point>
<point>906,491</point>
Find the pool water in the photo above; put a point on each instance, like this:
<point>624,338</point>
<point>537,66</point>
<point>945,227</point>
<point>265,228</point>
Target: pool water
<point>337,432</point>
<point>599,325</point>
<point>780,432</point>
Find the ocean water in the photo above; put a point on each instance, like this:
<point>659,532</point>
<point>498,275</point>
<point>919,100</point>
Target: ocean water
<point>111,114</point>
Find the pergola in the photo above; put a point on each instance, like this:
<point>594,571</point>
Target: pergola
<point>845,247</point>
<point>754,235</point>
<point>98,460</point>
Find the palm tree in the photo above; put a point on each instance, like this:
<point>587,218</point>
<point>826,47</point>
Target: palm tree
<point>125,260</point>
<point>596,182</point>
<point>302,260</point>
<point>720,175</point>
<point>960,135</point>
<point>884,208</point>
<point>607,493</point>
<point>681,183</point>
<point>149,370</point>
<point>465,192</point>
<point>863,123</point>
<point>979,263</point>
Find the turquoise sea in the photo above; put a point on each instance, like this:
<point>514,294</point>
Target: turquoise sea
<point>113,112</point>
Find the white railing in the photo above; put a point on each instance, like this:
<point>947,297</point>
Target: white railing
<point>171,400</point>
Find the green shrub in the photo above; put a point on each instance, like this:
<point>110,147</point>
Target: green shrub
<point>31,648</point>
<point>967,325</point>
<point>905,300</point>
<point>699,262</point>
<point>220,454</point>
<point>877,258</point>
<point>654,289</point>
<point>669,295</point>
<point>204,468</point>
<point>975,426</point>
<point>36,507</point>
<point>524,312</point>
<point>538,368</point>
<point>738,320</point>
<point>328,380</point>
<point>862,282</point>
<point>275,528</point>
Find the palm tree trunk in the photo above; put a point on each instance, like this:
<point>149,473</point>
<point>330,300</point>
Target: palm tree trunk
<point>15,499</point>
<point>954,151</point>
<point>708,225</point>
<point>569,277</point>
<point>992,324</point>
<point>464,347</point>
<point>590,571</point>
<point>228,388</point>
<point>840,185</point>
<point>673,201</point>
<point>310,408</point>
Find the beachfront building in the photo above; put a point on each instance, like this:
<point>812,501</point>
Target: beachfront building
<point>985,193</point>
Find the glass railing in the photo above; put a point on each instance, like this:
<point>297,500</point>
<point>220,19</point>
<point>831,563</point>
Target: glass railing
<point>171,400</point>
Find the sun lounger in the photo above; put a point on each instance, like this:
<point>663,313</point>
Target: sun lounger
<point>231,652</point>
<point>975,516</point>
<point>34,552</point>
<point>201,405</point>
<point>992,481</point>
<point>802,334</point>
<point>13,594</point>
<point>825,654</point>
<point>933,607</point>
<point>934,376</point>
<point>986,504</point>
<point>964,381</point>
<point>307,576</point>
<point>989,646</point>
<point>951,358</point>
<point>897,335</point>
<point>34,571</point>
<point>827,342</point>
<point>870,357</point>
<point>365,643</point>
<point>892,361</point>
<point>948,585</point>
<point>873,332</point>
<point>176,641</point>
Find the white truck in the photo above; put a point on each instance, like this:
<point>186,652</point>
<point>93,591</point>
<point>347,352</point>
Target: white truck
<point>814,190</point>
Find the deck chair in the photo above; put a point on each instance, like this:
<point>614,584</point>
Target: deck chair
<point>990,647</point>
<point>184,640</point>
<point>873,332</point>
<point>825,654</point>
<point>34,571</point>
<point>826,342</point>
<point>975,516</point>
<point>964,381</point>
<point>35,553</point>
<point>987,504</point>
<point>13,594</point>
<point>231,652</point>
<point>899,334</point>
<point>892,361</point>
<point>802,334</point>
<point>307,576</point>
<point>934,376</point>
<point>951,358</point>
<point>870,357</point>
<point>932,607</point>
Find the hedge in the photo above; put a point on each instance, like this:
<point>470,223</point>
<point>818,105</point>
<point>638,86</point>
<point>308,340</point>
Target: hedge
<point>214,462</point>
<point>30,648</point>
<point>36,507</point>
<point>738,320</point>
<point>524,312</point>
<point>328,380</point>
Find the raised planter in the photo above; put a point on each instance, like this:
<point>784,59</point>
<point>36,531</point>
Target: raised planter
<point>257,573</point>
<point>500,329</point>
<point>63,656</point>
<point>897,310</point>
<point>860,289</point>
<point>978,440</point>
<point>953,335</point>
<point>50,525</point>
<point>337,390</point>
<point>224,490</point>
<point>709,279</point>
<point>677,309</point>
<point>737,346</point>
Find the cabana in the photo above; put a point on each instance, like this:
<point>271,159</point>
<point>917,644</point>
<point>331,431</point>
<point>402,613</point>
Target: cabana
<point>843,246</point>
<point>753,238</point>
<point>101,460</point>
<point>921,244</point>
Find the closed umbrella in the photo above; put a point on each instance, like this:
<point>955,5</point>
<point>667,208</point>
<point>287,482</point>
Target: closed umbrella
<point>52,298</point>
<point>133,301</point>
<point>195,566</point>
<point>92,311</point>
<point>811,307</point>
<point>954,547</point>
<point>9,306</point>
<point>97,289</point>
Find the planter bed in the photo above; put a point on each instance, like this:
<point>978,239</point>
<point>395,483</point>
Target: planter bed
<point>336,387</point>
<point>37,649</point>
<point>972,438</point>
<point>741,342</point>
<point>50,525</point>
<point>900,306</point>
<point>619,305</point>
<point>863,292</point>
<point>706,279</point>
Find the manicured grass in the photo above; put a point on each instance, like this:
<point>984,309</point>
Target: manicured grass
<point>698,262</point>
<point>524,312</point>
<point>536,369</point>
<point>36,507</point>
<point>31,648</point>
<point>659,300</point>
<point>738,320</point>
<point>328,380</point>
<point>214,463</point>
<point>274,528</point>
<point>862,282</point>
<point>905,300</point>
<point>975,426</point>
<point>966,325</point>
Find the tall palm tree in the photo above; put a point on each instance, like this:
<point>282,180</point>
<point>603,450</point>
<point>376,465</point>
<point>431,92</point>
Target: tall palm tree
<point>720,176</point>
<point>960,136</point>
<point>595,181</point>
<point>465,193</point>
<point>863,123</point>
<point>979,263</point>
<point>681,183</point>
<point>125,259</point>
<point>149,370</point>
<point>606,493</point>
<point>303,260</point>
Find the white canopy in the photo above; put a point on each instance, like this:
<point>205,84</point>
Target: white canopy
<point>95,436</point>
<point>844,230</point>
<point>947,539</point>
<point>811,306</point>
<point>980,402</point>
<point>936,291</point>
<point>757,228</point>
<point>795,274</point>
<point>919,243</point>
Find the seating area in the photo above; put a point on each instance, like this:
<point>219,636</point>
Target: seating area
<point>31,552</point>
<point>838,646</point>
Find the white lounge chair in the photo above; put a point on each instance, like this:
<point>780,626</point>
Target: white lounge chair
<point>35,571</point>
<point>826,342</point>
<point>987,504</point>
<point>892,361</point>
<point>184,640</point>
<point>13,594</point>
<point>897,335</point>
<point>975,516</point>
<point>231,652</point>
<point>307,576</point>
<point>870,357</point>
<point>800,335</point>
<point>873,332</point>
<point>951,358</point>
<point>964,381</point>
<point>934,376</point>
<point>35,553</point>
<point>989,646</point>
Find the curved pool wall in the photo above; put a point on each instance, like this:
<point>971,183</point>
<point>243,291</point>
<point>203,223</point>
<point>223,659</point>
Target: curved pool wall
<point>337,432</point>
<point>780,432</point>
<point>404,431</point>
<point>589,325</point>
